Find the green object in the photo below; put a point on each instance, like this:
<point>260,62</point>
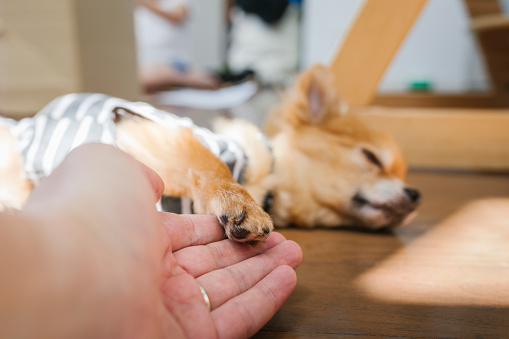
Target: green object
<point>420,85</point>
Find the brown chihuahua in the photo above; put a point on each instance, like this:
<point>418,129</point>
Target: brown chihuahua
<point>322,166</point>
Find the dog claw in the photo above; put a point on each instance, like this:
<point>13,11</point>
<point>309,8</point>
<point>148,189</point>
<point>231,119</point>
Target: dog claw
<point>239,232</point>
<point>240,218</point>
<point>223,219</point>
<point>237,229</point>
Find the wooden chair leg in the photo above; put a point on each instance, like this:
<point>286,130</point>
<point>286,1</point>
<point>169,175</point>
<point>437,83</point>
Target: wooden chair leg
<point>369,46</point>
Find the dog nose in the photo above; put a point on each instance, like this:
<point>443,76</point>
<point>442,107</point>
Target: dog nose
<point>414,195</point>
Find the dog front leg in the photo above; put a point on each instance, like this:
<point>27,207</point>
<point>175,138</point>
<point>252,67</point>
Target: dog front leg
<point>188,168</point>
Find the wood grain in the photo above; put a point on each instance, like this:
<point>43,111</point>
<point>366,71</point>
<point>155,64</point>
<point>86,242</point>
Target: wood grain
<point>369,46</point>
<point>491,27</point>
<point>443,276</point>
<point>495,48</point>
<point>473,139</point>
<point>53,47</point>
<point>482,7</point>
<point>435,100</point>
<point>489,22</point>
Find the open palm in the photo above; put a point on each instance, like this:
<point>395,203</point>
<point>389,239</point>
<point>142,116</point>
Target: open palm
<point>100,204</point>
<point>246,285</point>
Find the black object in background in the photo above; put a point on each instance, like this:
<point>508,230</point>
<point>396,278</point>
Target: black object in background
<point>269,11</point>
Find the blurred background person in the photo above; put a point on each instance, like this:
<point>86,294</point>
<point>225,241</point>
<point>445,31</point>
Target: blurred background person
<point>162,36</point>
<point>264,39</point>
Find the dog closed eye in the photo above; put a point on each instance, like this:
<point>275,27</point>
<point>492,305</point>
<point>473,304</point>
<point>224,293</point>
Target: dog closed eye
<point>372,158</point>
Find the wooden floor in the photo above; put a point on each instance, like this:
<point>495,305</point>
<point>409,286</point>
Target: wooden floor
<point>445,275</point>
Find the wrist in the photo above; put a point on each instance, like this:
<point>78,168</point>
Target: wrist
<point>56,284</point>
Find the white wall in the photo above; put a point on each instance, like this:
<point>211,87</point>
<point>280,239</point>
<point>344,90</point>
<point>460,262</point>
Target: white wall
<point>324,24</point>
<point>439,48</point>
<point>208,33</point>
<point>505,5</point>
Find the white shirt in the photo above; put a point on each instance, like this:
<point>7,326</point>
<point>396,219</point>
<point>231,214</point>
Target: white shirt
<point>159,41</point>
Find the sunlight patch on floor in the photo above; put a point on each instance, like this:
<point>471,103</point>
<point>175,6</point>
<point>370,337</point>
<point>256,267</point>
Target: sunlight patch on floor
<point>464,260</point>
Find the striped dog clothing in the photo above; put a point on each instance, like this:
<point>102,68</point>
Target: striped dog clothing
<point>76,119</point>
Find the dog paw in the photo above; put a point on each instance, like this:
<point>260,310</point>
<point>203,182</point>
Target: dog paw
<point>243,220</point>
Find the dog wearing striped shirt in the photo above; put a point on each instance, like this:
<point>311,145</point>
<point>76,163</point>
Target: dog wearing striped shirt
<point>323,167</point>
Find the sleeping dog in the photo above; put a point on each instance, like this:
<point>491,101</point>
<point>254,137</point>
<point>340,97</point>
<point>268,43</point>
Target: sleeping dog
<point>321,167</point>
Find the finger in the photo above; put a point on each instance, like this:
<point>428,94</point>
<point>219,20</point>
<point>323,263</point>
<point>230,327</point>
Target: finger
<point>112,158</point>
<point>154,180</point>
<point>198,260</point>
<point>243,316</point>
<point>191,230</point>
<point>225,284</point>
<point>93,167</point>
<point>184,301</point>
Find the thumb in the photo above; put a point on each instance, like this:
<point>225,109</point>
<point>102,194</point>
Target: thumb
<point>155,181</point>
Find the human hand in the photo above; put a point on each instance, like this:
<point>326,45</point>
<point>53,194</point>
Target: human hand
<point>134,272</point>
<point>246,285</point>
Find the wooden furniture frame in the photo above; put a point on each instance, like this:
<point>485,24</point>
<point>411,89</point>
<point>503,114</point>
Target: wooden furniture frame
<point>52,47</point>
<point>491,28</point>
<point>466,139</point>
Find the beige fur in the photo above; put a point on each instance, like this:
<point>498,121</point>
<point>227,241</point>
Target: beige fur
<point>189,169</point>
<point>321,165</point>
<point>329,169</point>
<point>259,178</point>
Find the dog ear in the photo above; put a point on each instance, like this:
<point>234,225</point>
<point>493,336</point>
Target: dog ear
<point>315,97</point>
